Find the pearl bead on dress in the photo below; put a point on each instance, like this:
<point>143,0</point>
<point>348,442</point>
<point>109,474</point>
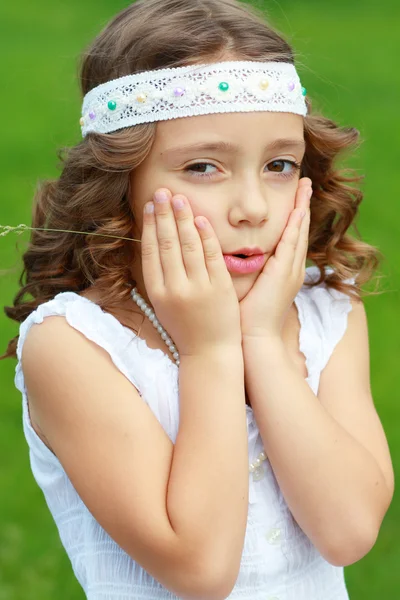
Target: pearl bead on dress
<point>256,468</point>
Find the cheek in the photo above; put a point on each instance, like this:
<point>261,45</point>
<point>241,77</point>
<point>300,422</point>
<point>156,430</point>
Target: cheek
<point>202,204</point>
<point>142,188</point>
<point>288,202</point>
<point>279,222</point>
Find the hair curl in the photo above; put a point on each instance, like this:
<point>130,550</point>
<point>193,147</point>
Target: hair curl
<point>91,195</point>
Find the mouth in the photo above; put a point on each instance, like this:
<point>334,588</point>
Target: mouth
<point>246,252</point>
<point>243,264</point>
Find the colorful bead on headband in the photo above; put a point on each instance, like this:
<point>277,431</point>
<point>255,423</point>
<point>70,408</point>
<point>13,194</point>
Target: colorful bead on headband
<point>163,94</point>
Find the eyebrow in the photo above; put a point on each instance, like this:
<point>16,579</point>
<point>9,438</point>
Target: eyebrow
<point>228,148</point>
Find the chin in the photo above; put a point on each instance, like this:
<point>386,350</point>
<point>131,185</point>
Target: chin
<point>243,284</point>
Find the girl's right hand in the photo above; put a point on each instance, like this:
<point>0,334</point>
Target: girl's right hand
<point>186,278</point>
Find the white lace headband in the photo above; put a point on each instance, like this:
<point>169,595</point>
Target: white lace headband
<point>160,95</point>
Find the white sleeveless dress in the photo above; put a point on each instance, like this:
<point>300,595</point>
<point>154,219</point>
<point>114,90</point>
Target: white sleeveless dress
<point>279,562</point>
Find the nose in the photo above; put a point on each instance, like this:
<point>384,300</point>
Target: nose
<point>249,203</point>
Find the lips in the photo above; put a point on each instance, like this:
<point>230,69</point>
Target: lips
<point>245,252</point>
<point>250,264</point>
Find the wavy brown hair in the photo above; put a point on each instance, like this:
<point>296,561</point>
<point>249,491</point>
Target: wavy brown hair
<point>92,193</point>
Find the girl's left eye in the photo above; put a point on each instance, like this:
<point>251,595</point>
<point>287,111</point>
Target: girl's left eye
<point>282,168</point>
<point>278,166</point>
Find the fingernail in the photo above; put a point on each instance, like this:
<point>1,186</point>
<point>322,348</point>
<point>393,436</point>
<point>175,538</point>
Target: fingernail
<point>161,196</point>
<point>310,193</point>
<point>149,208</point>
<point>178,203</point>
<point>201,223</point>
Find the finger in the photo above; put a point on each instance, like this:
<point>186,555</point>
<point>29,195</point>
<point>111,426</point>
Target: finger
<point>213,256</point>
<point>303,242</point>
<point>153,275</point>
<point>286,249</point>
<point>304,193</point>
<point>168,240</point>
<point>305,181</point>
<point>191,244</point>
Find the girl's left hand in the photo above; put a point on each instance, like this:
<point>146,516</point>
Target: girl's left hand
<point>263,309</point>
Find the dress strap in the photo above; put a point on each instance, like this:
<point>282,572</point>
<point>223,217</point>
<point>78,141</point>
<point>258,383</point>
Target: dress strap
<point>323,315</point>
<point>89,319</point>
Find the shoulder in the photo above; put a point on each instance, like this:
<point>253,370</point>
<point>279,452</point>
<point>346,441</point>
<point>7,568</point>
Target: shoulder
<point>56,348</point>
<point>60,363</point>
<point>329,304</point>
<point>70,313</point>
<point>324,312</point>
<point>346,326</point>
<point>55,318</point>
<point>71,326</point>
<point>312,275</point>
<point>70,320</point>
<point>352,351</point>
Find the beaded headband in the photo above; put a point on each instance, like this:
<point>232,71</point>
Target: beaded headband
<point>163,94</point>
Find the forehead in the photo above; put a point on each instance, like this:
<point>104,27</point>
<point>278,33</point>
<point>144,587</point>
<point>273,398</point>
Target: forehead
<point>240,129</point>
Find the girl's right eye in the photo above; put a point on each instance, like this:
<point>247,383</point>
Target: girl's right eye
<point>199,173</point>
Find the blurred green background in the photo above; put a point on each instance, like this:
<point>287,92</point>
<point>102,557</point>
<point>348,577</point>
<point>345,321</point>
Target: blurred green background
<point>348,52</point>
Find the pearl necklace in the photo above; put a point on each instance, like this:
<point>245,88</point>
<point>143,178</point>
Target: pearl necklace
<point>149,312</point>
<point>256,467</point>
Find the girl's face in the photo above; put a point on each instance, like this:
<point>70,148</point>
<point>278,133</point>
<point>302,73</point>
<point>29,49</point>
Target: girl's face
<point>237,169</point>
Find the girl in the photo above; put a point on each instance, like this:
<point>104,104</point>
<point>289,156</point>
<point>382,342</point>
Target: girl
<point>201,423</point>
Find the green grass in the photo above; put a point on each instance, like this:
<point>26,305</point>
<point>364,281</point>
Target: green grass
<point>348,52</point>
